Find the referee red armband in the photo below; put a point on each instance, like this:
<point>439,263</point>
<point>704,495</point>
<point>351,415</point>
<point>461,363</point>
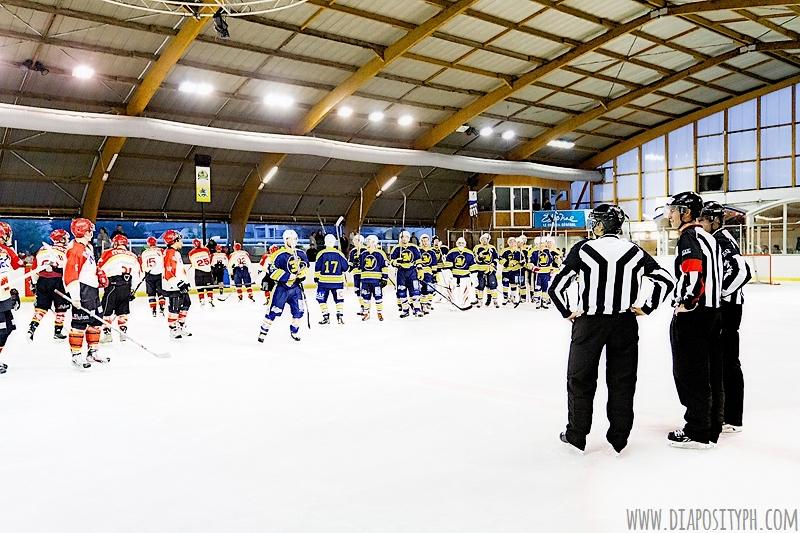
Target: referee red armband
<point>691,265</point>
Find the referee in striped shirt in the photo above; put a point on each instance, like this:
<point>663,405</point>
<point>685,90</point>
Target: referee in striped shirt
<point>694,330</point>
<point>610,295</point>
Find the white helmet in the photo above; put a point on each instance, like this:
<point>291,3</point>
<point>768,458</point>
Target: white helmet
<point>537,241</point>
<point>331,241</point>
<point>425,237</point>
<point>358,239</point>
<point>486,238</point>
<point>405,236</point>
<point>511,241</point>
<point>372,240</point>
<point>522,238</point>
<point>461,242</point>
<point>290,238</point>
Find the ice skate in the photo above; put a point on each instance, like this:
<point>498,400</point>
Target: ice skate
<point>184,331</point>
<point>3,368</point>
<point>365,317</point>
<point>679,439</point>
<point>80,362</point>
<point>418,313</point>
<point>730,428</point>
<point>261,337</point>
<point>211,302</point>
<point>175,333</point>
<point>339,319</point>
<point>105,337</point>
<point>155,313</point>
<point>574,449</point>
<point>123,333</point>
<point>93,356</point>
<point>58,334</point>
<point>326,319</point>
<point>32,331</point>
<point>404,313</point>
<point>295,336</point>
<point>380,317</point>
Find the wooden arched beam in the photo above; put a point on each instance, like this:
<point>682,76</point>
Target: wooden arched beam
<point>247,198</point>
<point>158,72</point>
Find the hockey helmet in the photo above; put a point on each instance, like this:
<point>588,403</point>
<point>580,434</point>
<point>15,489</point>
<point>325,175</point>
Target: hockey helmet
<point>5,232</point>
<point>486,238</point>
<point>686,201</point>
<point>151,241</point>
<point>171,236</point>
<point>713,210</point>
<point>331,241</point>
<point>237,246</point>
<point>358,240</point>
<point>196,243</point>
<point>80,227</point>
<point>120,241</point>
<point>611,216</point>
<point>290,238</point>
<point>372,241</point>
<point>59,235</point>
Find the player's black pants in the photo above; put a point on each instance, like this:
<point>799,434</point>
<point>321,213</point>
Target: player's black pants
<point>697,369</point>
<point>619,334</point>
<point>732,379</point>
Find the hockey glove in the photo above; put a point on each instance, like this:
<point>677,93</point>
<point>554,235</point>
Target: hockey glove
<point>183,287</point>
<point>132,297</point>
<point>384,282</point>
<point>15,299</point>
<point>102,279</point>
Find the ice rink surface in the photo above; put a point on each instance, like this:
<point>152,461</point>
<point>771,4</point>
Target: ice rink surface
<point>443,424</point>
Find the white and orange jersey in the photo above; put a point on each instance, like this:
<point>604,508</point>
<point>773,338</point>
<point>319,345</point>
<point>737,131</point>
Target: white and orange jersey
<point>118,262</point>
<point>200,259</point>
<point>52,258</point>
<point>219,258</point>
<point>9,261</point>
<point>79,268</point>
<point>239,259</point>
<point>152,260</point>
<point>174,270</point>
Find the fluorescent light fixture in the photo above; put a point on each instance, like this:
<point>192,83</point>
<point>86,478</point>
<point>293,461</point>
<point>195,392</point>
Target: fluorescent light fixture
<point>485,132</point>
<point>105,176</point>
<point>187,87</point>
<point>204,89</point>
<point>508,135</point>
<point>190,87</point>
<point>405,120</point>
<point>558,143</point>
<point>388,183</point>
<point>83,72</point>
<point>345,112</point>
<point>112,162</point>
<point>270,175</point>
<point>462,128</point>
<point>279,100</point>
<point>376,116</point>
<point>260,187</point>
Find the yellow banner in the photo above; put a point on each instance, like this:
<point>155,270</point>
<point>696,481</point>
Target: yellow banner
<point>202,181</point>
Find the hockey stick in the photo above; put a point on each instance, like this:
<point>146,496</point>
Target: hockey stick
<point>25,276</point>
<point>133,292</point>
<point>433,286</point>
<point>160,355</point>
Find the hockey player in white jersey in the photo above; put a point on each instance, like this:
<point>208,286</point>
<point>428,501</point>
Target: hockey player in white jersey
<point>152,263</point>
<point>239,268</point>
<point>121,267</point>
<point>48,281</point>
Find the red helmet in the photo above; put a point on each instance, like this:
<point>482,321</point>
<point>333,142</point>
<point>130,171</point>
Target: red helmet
<point>170,237</point>
<point>81,226</point>
<point>59,235</point>
<point>151,241</point>
<point>5,232</point>
<point>120,240</point>
<point>274,248</point>
<point>196,243</point>
<point>237,246</point>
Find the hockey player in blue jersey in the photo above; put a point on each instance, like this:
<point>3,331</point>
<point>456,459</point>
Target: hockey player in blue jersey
<point>329,270</point>
<point>404,258</point>
<point>374,266</point>
<point>288,267</point>
<point>544,261</point>
<point>512,261</point>
<point>353,257</point>
<point>428,264</point>
<point>461,262</point>
<point>486,258</point>
<point>524,273</point>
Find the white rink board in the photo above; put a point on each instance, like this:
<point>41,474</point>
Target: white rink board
<point>443,424</point>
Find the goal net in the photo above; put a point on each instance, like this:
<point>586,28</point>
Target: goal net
<point>760,268</point>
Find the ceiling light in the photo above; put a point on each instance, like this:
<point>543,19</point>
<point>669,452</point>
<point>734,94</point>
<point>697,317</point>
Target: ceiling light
<point>204,89</point>
<point>376,116</point>
<point>270,175</point>
<point>405,120</point>
<point>279,100</point>
<point>508,135</point>
<point>462,128</point>
<point>83,72</point>
<point>188,87</point>
<point>485,132</point>
<point>388,183</point>
<point>345,112</point>
<point>558,143</point>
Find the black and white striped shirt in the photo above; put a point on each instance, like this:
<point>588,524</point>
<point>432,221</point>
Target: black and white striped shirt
<point>609,271</point>
<point>735,270</point>
<point>698,268</point>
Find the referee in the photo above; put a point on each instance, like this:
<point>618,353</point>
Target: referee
<point>694,330</point>
<point>610,295</point>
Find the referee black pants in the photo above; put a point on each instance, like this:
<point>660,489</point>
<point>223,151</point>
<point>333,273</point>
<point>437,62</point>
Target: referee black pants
<point>619,335</point>
<point>732,379</point>
<point>697,369</point>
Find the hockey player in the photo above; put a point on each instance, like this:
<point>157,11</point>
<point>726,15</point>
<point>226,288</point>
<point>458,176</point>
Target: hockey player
<point>544,260</point>
<point>329,270</point>
<point>121,268</point>
<point>696,363</point>
<point>219,262</point>
<point>442,273</point>
<point>374,266</point>
<point>239,269</point>
<point>200,259</point>
<point>428,264</point>
<point>735,274</point>
<point>289,267</point>
<point>461,261</point>
<point>486,258</point>
<point>175,285</point>
<point>353,256</point>
<point>9,296</point>
<point>48,281</point>
<point>83,281</point>
<point>404,257</point>
<point>152,263</point>
<point>512,260</point>
<point>267,283</point>
<point>524,272</point>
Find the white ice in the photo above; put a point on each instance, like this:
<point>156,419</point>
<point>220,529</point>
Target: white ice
<point>443,424</point>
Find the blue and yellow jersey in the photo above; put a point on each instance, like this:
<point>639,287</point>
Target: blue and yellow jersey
<point>353,258</point>
<point>512,260</point>
<point>330,267</point>
<point>545,261</point>
<point>373,265</point>
<point>428,260</point>
<point>286,266</point>
<point>405,256</point>
<point>485,258</point>
<point>441,255</point>
<point>461,261</point>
